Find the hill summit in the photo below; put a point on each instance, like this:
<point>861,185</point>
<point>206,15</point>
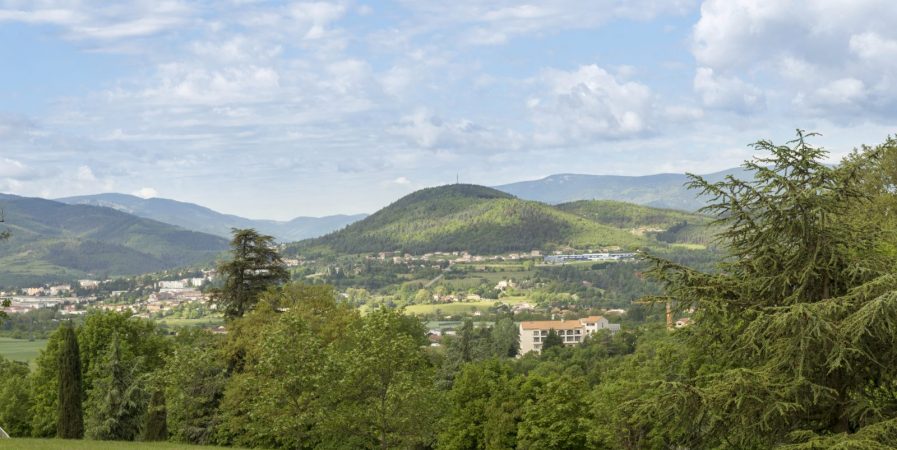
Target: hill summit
<point>464,217</point>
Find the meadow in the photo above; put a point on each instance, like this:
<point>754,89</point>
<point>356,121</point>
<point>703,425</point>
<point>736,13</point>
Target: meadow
<point>21,349</point>
<point>461,307</point>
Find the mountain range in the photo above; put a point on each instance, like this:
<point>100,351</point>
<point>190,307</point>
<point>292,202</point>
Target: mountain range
<point>483,220</point>
<point>199,218</point>
<point>54,241</point>
<point>665,190</point>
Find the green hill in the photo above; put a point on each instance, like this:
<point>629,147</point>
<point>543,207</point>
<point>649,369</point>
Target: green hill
<point>664,190</point>
<point>470,218</point>
<point>53,241</point>
<point>666,225</point>
<point>202,219</point>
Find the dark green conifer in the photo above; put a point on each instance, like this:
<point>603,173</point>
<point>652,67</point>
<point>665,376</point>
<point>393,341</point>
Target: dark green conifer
<point>155,427</point>
<point>255,266</point>
<point>70,420</point>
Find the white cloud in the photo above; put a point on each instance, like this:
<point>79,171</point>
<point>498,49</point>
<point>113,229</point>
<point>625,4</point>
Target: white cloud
<point>424,129</point>
<point>100,20</point>
<point>10,168</point>
<point>827,58</point>
<point>402,181</point>
<point>730,93</point>
<point>589,104</point>
<point>146,192</point>
<point>85,174</point>
<point>496,22</point>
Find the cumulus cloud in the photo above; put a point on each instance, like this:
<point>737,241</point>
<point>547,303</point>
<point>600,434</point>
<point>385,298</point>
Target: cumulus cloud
<point>824,58</point>
<point>730,93</point>
<point>425,129</point>
<point>589,104</point>
<point>402,181</point>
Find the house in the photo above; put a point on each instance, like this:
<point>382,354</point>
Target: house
<point>533,333</point>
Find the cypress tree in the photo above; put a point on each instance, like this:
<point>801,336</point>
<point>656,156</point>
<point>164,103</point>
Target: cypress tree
<point>70,420</point>
<point>156,427</point>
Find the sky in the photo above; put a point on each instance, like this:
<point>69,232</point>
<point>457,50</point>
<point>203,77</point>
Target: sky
<point>283,109</point>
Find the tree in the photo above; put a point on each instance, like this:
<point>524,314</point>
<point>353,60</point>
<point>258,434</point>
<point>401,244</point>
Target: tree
<point>155,427</point>
<point>556,418</point>
<point>792,338</point>
<point>552,340</point>
<point>117,401</point>
<point>15,398</point>
<point>194,380</point>
<point>70,416</point>
<point>506,338</point>
<point>384,395</point>
<point>254,267</point>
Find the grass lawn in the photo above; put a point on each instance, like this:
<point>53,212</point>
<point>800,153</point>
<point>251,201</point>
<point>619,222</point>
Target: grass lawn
<point>461,307</point>
<point>21,349</point>
<point>59,444</point>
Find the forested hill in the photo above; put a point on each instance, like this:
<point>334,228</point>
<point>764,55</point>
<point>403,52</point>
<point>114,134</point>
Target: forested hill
<point>628,215</point>
<point>199,218</point>
<point>470,218</point>
<point>53,241</point>
<point>665,190</point>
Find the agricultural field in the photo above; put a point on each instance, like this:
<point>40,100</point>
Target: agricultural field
<point>67,444</point>
<point>21,349</point>
<point>461,307</point>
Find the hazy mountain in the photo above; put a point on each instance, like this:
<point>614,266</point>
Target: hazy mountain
<point>666,190</point>
<point>200,218</point>
<point>56,241</point>
<point>472,218</point>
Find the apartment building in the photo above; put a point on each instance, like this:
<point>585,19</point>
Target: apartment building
<point>533,333</point>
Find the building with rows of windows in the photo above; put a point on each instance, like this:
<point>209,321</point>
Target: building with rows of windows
<point>533,333</point>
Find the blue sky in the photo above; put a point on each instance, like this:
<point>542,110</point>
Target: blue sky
<point>281,109</point>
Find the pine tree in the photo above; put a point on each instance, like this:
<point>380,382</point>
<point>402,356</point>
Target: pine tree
<point>255,266</point>
<point>552,340</point>
<point>155,427</point>
<point>793,337</point>
<point>115,404</point>
<point>70,418</point>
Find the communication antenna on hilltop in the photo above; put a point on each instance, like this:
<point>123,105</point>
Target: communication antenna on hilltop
<point>457,181</point>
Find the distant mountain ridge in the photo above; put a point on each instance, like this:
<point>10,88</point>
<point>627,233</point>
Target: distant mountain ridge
<point>54,241</point>
<point>472,218</point>
<point>665,190</point>
<point>199,218</point>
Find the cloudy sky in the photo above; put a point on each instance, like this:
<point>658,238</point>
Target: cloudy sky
<point>279,109</point>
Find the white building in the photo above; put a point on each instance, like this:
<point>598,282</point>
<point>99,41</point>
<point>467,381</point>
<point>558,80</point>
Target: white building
<point>533,333</point>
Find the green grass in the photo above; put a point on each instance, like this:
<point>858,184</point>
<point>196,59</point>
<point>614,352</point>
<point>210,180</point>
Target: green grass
<point>59,444</point>
<point>21,349</point>
<point>690,246</point>
<point>461,307</point>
